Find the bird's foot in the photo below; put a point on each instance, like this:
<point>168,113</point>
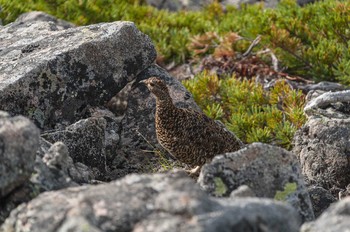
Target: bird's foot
<point>194,172</point>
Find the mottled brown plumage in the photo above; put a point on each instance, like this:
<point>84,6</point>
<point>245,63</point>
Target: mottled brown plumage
<point>190,136</point>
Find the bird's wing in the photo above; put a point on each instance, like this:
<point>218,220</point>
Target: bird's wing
<point>209,130</point>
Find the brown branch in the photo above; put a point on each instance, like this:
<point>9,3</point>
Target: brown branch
<point>255,42</point>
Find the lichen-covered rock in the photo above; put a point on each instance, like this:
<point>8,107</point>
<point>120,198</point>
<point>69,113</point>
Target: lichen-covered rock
<point>320,198</point>
<point>53,170</point>
<point>335,219</point>
<point>53,167</point>
<point>323,143</point>
<point>62,171</point>
<point>19,140</point>
<point>269,171</point>
<point>85,140</point>
<point>54,76</point>
<point>115,163</point>
<point>94,142</point>
<point>138,125</point>
<point>161,202</point>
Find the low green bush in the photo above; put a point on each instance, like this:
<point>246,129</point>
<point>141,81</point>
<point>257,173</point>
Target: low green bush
<point>310,41</point>
<point>253,114</point>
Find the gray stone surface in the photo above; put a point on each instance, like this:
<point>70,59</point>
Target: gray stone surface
<point>239,3</point>
<point>335,219</point>
<point>323,143</point>
<point>95,142</point>
<point>161,202</point>
<point>53,170</point>
<point>269,171</point>
<point>138,126</point>
<point>85,140</point>
<point>19,140</point>
<point>329,104</point>
<point>266,3</point>
<point>42,16</point>
<point>177,5</point>
<point>320,198</point>
<point>242,191</point>
<point>62,170</point>
<point>322,86</point>
<point>53,76</point>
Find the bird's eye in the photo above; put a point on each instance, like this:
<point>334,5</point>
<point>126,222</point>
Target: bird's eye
<point>151,84</point>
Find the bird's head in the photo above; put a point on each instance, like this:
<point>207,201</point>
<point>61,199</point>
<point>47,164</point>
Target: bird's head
<point>158,87</point>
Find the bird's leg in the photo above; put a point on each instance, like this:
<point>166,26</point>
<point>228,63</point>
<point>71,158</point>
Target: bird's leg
<point>194,171</point>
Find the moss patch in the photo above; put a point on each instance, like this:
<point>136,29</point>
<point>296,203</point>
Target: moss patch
<point>220,187</point>
<point>288,189</point>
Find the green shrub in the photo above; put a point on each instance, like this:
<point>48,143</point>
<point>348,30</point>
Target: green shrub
<point>246,109</point>
<point>310,41</point>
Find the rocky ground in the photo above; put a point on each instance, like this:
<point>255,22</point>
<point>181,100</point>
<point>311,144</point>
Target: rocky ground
<point>74,159</point>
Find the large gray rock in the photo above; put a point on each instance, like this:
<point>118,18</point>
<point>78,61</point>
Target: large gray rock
<point>269,171</point>
<point>335,219</point>
<point>19,140</point>
<point>138,125</point>
<point>53,170</point>
<point>323,143</point>
<point>161,202</point>
<point>94,142</point>
<point>86,142</point>
<point>54,76</point>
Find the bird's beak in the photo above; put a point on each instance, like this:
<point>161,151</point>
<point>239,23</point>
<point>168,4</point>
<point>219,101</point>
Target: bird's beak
<point>135,84</point>
<point>145,81</point>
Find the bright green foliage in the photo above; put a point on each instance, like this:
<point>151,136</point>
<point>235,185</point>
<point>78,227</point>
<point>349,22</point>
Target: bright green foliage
<point>312,41</point>
<point>220,187</point>
<point>169,31</point>
<point>250,112</point>
<point>288,189</point>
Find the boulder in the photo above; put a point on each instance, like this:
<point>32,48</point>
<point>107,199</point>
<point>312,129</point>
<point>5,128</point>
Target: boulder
<point>56,169</point>
<point>335,219</point>
<point>19,141</point>
<point>138,137</point>
<point>323,143</point>
<point>269,171</point>
<point>320,198</point>
<point>159,202</point>
<point>54,76</point>
<point>85,140</point>
<point>53,170</point>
